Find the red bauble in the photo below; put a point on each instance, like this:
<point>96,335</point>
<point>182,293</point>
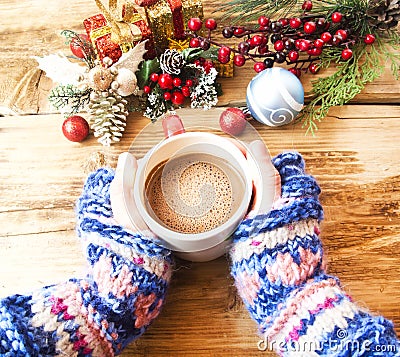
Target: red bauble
<point>195,24</point>
<point>232,121</point>
<point>337,17</point>
<point>211,24</point>
<point>347,53</point>
<point>76,45</point>
<point>177,98</point>
<point>75,128</point>
<point>369,39</point>
<point>165,81</point>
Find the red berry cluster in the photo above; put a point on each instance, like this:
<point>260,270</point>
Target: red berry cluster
<point>174,88</point>
<point>297,41</point>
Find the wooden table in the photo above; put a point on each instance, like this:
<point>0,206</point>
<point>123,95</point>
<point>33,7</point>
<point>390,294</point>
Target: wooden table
<point>354,156</point>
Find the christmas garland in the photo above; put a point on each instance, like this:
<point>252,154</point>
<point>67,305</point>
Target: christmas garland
<point>355,36</point>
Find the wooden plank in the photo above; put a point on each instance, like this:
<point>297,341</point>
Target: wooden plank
<point>24,88</point>
<point>354,157</point>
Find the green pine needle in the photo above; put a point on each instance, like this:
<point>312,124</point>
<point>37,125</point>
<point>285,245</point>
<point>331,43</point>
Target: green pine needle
<point>69,98</point>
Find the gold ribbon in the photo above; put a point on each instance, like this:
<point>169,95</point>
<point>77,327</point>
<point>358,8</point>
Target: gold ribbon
<point>121,16</point>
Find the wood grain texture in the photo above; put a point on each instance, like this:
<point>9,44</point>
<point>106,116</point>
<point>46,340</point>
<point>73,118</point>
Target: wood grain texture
<point>354,156</point>
<point>32,28</point>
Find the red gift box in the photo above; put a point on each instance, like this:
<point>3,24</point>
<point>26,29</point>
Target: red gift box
<point>100,31</point>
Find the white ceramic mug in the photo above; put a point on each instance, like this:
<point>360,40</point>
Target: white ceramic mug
<point>213,243</point>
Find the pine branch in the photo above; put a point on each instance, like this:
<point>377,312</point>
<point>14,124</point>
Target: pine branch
<point>249,10</point>
<point>69,99</point>
<point>87,47</point>
<point>342,86</point>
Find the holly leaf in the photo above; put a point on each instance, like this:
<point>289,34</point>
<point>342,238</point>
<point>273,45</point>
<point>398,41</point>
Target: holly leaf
<point>145,70</point>
<point>191,54</point>
<point>211,53</point>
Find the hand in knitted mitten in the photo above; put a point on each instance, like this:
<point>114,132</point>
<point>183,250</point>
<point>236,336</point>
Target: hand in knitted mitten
<point>279,270</point>
<point>103,312</point>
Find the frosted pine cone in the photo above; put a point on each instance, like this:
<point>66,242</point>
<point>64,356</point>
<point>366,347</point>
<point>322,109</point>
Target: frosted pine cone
<point>384,14</point>
<point>171,61</point>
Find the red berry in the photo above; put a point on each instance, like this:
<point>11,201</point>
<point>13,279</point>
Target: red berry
<point>279,45</point>
<point>326,37</point>
<point>224,51</point>
<point>75,128</point>
<point>336,40</point>
<point>293,56</point>
<point>177,98</point>
<point>319,43</point>
<point>295,23</point>
<point>167,95</point>
<point>154,77</point>
<point>314,51</point>
<point>336,17</point>
<point>313,68</point>
<point>263,49</point>
<point>239,60</point>
<point>347,53</point>
<point>284,22</point>
<point>76,45</point>
<point>189,83</point>
<point>238,31</point>
<point>194,42</point>
<point>165,81</point>
<point>223,60</point>
<point>256,40</point>
<point>185,91</point>
<point>297,43</point>
<point>194,24</point>
<point>342,34</point>
<point>304,45</point>
<point>176,81</point>
<point>147,89</point>
<point>232,121</point>
<point>369,39</point>
<point>307,5</point>
<point>263,21</point>
<point>295,71</point>
<point>259,66</point>
<point>211,24</point>
<point>310,27</point>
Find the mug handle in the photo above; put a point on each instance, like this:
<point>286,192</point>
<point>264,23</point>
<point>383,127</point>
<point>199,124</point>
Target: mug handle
<point>172,125</point>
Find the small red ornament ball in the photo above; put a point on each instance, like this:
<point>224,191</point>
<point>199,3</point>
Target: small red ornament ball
<point>232,121</point>
<point>239,60</point>
<point>75,128</point>
<point>76,45</point>
<point>259,66</point>
<point>310,27</point>
<point>195,24</point>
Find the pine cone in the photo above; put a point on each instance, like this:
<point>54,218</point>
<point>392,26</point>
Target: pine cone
<point>108,116</point>
<point>171,61</point>
<point>384,14</point>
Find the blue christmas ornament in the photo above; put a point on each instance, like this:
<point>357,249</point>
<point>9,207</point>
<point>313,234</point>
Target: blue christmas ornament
<point>275,96</point>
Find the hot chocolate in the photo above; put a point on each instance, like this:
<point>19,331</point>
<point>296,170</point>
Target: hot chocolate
<point>193,193</point>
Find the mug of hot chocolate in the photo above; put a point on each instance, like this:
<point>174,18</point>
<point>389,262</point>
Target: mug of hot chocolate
<point>193,189</point>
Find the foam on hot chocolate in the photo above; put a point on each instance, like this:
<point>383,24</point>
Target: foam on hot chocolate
<point>192,194</point>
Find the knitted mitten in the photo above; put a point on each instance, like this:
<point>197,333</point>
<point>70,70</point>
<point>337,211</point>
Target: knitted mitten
<point>279,271</point>
<point>102,313</point>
